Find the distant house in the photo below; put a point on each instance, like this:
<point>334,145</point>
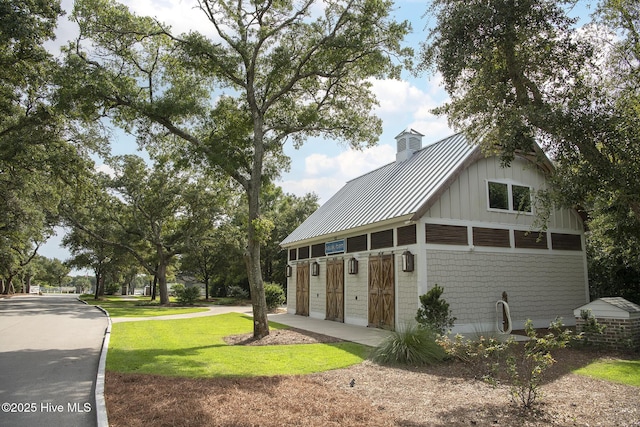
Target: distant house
<point>447,215</point>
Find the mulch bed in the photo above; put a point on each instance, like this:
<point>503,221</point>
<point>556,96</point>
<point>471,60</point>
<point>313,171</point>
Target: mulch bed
<point>368,394</point>
<point>282,336</point>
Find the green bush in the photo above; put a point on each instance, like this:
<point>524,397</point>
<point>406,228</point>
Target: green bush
<point>186,295</point>
<point>435,313</point>
<point>237,292</point>
<point>410,345</point>
<point>111,289</point>
<point>274,295</point>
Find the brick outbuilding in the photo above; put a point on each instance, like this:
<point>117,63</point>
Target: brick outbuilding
<point>620,317</point>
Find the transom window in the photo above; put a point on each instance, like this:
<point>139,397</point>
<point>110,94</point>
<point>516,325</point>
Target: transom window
<point>509,197</point>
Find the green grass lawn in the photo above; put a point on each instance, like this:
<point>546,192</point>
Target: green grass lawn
<point>195,348</point>
<point>618,371</point>
<point>119,307</point>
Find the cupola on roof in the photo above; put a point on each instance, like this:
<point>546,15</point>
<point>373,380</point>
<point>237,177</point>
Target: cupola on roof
<point>408,142</point>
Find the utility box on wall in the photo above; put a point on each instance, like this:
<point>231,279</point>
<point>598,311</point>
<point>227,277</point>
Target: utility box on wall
<point>621,318</point>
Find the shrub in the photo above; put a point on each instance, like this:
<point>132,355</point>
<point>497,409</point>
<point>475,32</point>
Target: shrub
<point>274,295</point>
<point>524,366</point>
<point>435,313</point>
<point>527,371</point>
<point>410,345</point>
<point>237,292</point>
<point>186,295</point>
<point>484,355</point>
<point>111,289</point>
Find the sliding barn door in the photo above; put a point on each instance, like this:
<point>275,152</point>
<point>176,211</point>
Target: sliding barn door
<point>335,290</point>
<point>381,292</point>
<point>302,289</point>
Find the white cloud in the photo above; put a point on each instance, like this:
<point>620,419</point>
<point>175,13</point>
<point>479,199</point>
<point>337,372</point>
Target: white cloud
<point>350,163</point>
<point>317,164</point>
<point>324,187</point>
<point>398,96</point>
<point>403,102</point>
<point>106,169</point>
<point>325,175</point>
<point>182,15</point>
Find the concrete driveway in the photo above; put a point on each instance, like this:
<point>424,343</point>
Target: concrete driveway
<point>49,353</point>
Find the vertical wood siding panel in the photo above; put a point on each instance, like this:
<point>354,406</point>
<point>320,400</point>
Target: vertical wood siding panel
<point>455,200</point>
<point>445,204</point>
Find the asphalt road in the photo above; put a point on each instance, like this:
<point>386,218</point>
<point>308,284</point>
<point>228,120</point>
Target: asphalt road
<point>49,352</point>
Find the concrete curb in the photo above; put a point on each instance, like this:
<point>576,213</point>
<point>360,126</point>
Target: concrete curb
<point>101,405</point>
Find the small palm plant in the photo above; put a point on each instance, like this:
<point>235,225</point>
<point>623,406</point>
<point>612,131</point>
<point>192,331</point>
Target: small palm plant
<point>410,345</point>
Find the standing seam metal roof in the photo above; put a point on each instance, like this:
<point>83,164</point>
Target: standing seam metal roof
<point>391,191</point>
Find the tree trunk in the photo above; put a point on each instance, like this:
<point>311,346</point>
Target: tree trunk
<point>8,286</point>
<point>99,286</point>
<point>163,259</point>
<point>256,285</point>
<point>162,282</point>
<point>154,287</point>
<point>254,271</point>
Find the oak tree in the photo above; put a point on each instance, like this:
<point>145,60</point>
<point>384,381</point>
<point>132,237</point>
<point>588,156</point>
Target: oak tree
<point>272,72</point>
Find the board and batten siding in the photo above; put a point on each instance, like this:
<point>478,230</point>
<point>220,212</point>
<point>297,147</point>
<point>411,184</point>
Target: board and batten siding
<point>291,291</point>
<point>356,294</point>
<point>407,299</point>
<point>466,198</point>
<point>539,287</point>
<point>318,293</point>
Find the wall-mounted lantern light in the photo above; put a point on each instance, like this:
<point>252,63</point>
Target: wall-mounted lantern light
<point>315,269</point>
<point>407,261</point>
<point>353,266</point>
<point>288,270</point>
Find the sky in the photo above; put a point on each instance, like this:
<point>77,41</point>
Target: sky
<point>319,166</point>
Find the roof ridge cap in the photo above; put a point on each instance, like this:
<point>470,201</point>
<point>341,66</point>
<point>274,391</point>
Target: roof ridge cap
<point>441,140</point>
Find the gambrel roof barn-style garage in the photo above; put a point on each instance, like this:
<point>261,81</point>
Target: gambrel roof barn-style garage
<point>444,214</point>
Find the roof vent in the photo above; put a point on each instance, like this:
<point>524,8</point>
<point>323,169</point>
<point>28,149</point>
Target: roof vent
<point>408,142</point>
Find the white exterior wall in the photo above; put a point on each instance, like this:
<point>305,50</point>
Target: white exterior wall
<point>356,293</point>
<point>291,291</point>
<point>467,198</point>
<point>540,286</point>
<point>318,291</point>
<point>407,298</point>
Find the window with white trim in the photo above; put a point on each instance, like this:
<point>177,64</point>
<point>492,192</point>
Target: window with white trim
<point>509,197</point>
